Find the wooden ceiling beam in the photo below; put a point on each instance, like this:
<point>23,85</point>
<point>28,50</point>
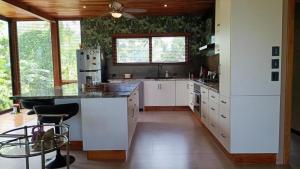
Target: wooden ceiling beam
<point>30,9</point>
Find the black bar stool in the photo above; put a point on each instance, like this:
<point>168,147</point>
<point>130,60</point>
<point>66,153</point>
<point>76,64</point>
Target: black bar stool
<point>28,104</point>
<point>65,110</point>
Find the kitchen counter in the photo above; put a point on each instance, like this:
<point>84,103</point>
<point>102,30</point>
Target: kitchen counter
<point>209,85</point>
<point>69,91</point>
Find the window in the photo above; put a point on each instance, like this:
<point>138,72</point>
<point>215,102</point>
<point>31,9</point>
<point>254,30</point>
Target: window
<point>5,71</point>
<point>133,50</point>
<point>70,39</point>
<point>35,54</point>
<point>150,48</point>
<point>168,49</point>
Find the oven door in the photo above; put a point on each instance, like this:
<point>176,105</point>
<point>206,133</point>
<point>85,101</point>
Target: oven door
<point>197,103</point>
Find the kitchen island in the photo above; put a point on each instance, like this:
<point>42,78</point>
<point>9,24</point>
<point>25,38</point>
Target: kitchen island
<point>107,118</point>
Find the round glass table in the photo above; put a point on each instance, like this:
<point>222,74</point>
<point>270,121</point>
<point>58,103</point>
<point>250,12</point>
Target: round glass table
<point>18,143</point>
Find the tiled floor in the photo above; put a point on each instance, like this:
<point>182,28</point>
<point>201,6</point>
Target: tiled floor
<point>163,140</point>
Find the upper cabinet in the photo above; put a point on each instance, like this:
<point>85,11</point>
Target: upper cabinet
<point>246,31</point>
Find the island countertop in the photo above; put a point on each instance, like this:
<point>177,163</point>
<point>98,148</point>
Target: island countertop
<point>110,90</point>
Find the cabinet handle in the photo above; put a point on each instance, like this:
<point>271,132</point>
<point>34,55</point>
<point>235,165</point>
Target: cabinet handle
<point>157,86</point>
<point>133,113</point>
<point>187,86</point>
<point>223,116</point>
<point>223,102</point>
<point>218,24</point>
<point>212,109</point>
<point>213,97</point>
<point>130,100</point>
<point>160,86</point>
<point>203,102</point>
<point>212,125</point>
<point>223,135</point>
<point>203,92</point>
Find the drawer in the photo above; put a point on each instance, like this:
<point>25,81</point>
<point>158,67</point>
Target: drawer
<point>204,92</point>
<point>213,96</point>
<point>224,103</point>
<point>224,121</point>
<point>224,138</point>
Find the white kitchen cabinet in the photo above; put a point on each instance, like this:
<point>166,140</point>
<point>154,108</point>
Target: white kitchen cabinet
<point>213,115</point>
<point>109,123</point>
<point>204,111</point>
<point>159,92</point>
<point>191,95</point>
<point>248,116</point>
<point>223,37</point>
<point>182,93</point>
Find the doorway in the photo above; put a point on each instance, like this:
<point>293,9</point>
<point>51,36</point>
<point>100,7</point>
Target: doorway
<point>295,125</point>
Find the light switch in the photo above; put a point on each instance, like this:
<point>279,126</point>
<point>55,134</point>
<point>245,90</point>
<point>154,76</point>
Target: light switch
<point>275,51</point>
<point>275,76</point>
<point>275,63</point>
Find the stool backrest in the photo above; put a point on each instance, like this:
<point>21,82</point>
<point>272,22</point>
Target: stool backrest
<point>69,109</point>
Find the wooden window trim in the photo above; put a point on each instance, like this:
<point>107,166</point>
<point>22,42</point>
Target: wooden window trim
<point>149,35</point>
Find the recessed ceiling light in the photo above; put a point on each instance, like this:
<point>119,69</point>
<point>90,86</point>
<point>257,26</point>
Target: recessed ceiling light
<point>84,6</point>
<point>165,5</point>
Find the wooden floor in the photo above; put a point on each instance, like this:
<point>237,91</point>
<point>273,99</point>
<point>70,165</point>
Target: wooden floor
<point>163,140</point>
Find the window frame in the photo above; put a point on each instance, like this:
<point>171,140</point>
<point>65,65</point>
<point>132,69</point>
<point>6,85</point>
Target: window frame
<point>10,41</point>
<point>149,36</point>
<point>64,81</point>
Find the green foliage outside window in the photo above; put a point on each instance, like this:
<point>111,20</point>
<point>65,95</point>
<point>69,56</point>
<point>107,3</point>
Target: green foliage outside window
<point>70,39</point>
<point>35,54</point>
<point>5,72</point>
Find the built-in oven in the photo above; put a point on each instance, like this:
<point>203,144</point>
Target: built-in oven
<point>197,99</point>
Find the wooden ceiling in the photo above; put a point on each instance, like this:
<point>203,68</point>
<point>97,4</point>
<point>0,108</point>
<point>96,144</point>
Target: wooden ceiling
<point>70,9</point>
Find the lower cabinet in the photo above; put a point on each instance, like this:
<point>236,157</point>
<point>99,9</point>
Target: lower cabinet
<point>215,115</point>
<point>191,95</point>
<point>159,93</point>
<point>181,93</point>
<point>167,93</point>
<point>133,111</point>
<point>109,123</point>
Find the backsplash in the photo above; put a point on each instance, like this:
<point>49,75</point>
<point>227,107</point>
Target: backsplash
<point>98,31</point>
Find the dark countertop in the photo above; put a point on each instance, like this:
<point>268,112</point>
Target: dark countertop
<point>109,90</point>
<point>214,86</point>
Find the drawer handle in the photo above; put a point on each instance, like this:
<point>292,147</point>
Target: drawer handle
<point>130,100</point>
<point>212,109</point>
<point>223,116</point>
<point>213,97</point>
<point>223,102</point>
<point>203,102</point>
<point>223,135</point>
<point>203,92</point>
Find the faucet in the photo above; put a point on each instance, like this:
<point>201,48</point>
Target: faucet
<point>159,67</point>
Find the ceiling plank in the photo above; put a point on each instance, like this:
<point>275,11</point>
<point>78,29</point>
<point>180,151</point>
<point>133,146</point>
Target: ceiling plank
<point>30,9</point>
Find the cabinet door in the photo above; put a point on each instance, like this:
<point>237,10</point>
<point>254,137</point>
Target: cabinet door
<point>217,27</point>
<point>151,89</point>
<point>204,112</point>
<point>191,95</point>
<point>159,93</point>
<point>224,46</point>
<point>166,93</point>
<point>182,89</point>
<point>213,117</point>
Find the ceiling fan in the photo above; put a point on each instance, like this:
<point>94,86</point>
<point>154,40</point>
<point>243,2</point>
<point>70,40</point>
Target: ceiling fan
<point>118,10</point>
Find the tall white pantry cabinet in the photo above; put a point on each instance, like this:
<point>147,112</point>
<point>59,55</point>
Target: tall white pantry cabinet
<point>246,32</point>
